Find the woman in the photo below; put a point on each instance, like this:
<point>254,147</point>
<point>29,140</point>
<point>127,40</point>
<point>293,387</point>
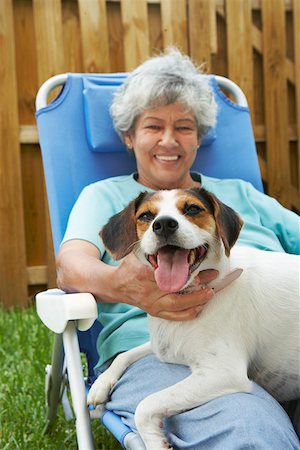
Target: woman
<point>162,112</point>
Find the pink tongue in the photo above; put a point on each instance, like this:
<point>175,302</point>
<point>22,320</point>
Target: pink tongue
<point>172,271</point>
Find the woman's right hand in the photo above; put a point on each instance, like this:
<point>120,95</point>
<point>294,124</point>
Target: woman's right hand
<point>79,269</point>
<point>135,284</point>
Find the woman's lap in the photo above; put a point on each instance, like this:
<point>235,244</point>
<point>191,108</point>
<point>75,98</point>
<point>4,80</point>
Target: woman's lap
<point>231,422</point>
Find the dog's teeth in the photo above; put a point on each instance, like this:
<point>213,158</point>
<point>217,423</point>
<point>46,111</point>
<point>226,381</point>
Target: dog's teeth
<point>192,257</point>
<point>158,260</point>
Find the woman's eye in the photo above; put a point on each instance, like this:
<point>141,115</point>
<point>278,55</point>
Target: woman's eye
<point>192,209</point>
<point>186,131</point>
<point>153,127</point>
<point>146,216</point>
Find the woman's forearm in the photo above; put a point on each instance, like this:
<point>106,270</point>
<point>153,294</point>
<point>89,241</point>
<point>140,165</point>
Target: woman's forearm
<point>79,269</point>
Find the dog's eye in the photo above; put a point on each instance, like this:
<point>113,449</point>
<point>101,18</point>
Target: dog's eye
<point>146,216</point>
<point>192,209</point>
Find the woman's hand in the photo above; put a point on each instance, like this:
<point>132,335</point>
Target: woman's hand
<point>135,284</point>
<point>79,269</point>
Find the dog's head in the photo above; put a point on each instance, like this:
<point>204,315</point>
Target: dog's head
<point>178,232</point>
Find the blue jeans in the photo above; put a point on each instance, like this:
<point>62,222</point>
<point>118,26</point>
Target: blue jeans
<point>232,422</point>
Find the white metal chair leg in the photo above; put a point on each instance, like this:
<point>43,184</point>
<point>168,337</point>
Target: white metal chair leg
<point>64,395</point>
<point>54,373</point>
<point>77,387</point>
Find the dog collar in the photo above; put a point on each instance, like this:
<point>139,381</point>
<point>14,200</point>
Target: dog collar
<point>230,277</point>
<point>218,286</point>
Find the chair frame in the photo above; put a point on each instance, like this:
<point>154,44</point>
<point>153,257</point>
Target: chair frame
<point>59,80</point>
<point>64,314</point>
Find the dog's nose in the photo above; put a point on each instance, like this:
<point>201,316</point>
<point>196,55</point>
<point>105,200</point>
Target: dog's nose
<point>165,226</point>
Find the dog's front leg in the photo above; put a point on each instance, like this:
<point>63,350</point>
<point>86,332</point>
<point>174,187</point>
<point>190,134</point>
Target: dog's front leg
<point>198,388</point>
<point>100,390</point>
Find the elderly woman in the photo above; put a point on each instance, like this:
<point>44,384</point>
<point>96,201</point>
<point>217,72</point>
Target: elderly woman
<point>162,112</point>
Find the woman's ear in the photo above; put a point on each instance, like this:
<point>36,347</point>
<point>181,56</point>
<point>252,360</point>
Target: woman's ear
<point>128,141</point>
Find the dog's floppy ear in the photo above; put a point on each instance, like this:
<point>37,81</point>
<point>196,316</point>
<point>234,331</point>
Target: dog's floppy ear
<point>119,234</point>
<point>228,222</point>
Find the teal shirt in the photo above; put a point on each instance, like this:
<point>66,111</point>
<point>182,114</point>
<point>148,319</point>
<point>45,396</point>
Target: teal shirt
<point>267,226</point>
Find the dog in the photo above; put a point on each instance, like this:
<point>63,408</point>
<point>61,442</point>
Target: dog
<point>249,331</point>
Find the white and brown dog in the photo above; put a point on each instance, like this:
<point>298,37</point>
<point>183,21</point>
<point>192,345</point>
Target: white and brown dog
<point>250,330</point>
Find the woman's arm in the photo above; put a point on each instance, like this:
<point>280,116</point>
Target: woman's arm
<point>283,222</point>
<point>79,269</point>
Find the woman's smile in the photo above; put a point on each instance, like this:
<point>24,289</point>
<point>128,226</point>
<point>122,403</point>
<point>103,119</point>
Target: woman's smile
<point>168,158</point>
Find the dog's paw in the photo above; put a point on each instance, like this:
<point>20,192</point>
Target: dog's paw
<point>162,445</point>
<point>148,420</point>
<point>99,392</point>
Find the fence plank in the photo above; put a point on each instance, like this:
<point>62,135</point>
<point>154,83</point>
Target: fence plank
<point>34,205</point>
<point>115,32</point>
<point>155,28</point>
<point>276,99</point>
<point>136,32</point>
<point>13,281</point>
<point>49,38</point>
<point>200,31</point>
<point>239,45</point>
<point>50,57</point>
<point>25,66</point>
<point>174,24</point>
<point>71,31</point>
<point>37,275</point>
<point>93,21</point>
<point>296,6</point>
<point>213,27</point>
<point>32,172</point>
<point>28,134</point>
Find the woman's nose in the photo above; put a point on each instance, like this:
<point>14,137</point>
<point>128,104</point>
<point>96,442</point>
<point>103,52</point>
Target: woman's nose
<point>168,138</point>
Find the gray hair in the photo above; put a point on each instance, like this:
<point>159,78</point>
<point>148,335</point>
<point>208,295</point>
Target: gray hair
<point>162,80</point>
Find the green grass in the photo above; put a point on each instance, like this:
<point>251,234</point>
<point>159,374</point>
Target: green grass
<point>25,349</point>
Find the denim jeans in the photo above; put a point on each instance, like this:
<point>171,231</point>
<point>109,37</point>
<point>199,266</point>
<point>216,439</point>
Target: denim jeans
<point>231,422</point>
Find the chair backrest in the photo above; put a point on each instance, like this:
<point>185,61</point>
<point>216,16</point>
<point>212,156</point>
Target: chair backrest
<point>80,146</point>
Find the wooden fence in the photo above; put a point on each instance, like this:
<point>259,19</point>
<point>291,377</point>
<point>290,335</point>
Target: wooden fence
<point>254,42</point>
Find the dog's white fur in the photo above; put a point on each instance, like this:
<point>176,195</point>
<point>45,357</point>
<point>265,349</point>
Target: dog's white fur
<point>250,330</point>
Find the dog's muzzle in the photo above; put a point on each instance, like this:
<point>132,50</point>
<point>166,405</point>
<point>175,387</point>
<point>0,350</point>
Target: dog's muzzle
<point>173,266</point>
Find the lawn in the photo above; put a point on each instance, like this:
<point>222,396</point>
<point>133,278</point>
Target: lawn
<point>25,350</point>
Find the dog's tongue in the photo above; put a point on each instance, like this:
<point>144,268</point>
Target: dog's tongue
<point>173,268</point>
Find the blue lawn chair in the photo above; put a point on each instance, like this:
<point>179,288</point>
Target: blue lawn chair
<point>79,146</point>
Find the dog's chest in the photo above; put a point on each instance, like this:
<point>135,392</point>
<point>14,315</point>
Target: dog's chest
<point>181,342</point>
<point>169,341</point>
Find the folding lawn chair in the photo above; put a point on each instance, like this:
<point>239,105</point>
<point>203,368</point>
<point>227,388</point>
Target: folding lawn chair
<point>79,146</point>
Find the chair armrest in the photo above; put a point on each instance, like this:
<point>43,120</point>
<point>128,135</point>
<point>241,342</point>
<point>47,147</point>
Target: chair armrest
<point>55,308</point>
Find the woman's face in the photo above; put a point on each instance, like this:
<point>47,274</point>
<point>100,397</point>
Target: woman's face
<point>165,142</point>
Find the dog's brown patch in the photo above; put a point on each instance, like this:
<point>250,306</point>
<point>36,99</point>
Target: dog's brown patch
<point>120,233</point>
<point>203,219</point>
<point>227,221</point>
<point>147,207</point>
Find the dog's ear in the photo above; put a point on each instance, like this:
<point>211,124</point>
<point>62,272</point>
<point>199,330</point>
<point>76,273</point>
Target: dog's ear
<point>119,234</point>
<point>228,222</point>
